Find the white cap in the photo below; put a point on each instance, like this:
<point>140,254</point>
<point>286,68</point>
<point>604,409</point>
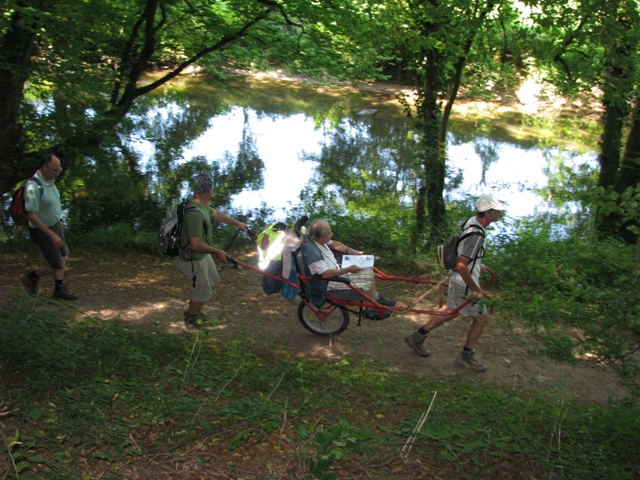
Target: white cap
<point>487,202</point>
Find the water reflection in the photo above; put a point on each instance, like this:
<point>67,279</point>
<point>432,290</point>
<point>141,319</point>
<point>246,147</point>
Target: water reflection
<point>279,139</point>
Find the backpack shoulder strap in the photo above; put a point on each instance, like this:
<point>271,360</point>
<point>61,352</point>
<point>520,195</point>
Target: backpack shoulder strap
<point>469,231</point>
<point>204,217</point>
<point>186,209</point>
<point>37,181</point>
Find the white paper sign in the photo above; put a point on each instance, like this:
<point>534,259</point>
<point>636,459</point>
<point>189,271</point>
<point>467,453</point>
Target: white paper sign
<point>363,261</point>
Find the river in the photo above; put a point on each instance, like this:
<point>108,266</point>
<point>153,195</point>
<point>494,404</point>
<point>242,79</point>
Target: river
<point>291,127</point>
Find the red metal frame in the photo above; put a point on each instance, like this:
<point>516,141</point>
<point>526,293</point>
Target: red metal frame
<point>370,302</point>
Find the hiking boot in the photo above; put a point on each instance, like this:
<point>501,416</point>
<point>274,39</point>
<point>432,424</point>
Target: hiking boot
<point>375,314</point>
<point>468,360</point>
<point>194,320</point>
<point>30,284</point>
<point>61,292</point>
<point>416,341</point>
<point>386,301</point>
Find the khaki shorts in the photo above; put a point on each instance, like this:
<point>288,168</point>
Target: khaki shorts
<point>456,297</point>
<point>202,276</point>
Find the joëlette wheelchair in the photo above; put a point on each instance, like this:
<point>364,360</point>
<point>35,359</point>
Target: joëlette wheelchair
<point>333,315</point>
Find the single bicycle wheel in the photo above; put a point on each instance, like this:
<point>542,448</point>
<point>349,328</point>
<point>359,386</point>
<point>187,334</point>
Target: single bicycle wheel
<point>335,323</point>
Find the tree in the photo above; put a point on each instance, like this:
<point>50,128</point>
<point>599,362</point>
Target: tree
<point>20,31</point>
<point>92,57</point>
<point>596,43</point>
<point>437,41</point>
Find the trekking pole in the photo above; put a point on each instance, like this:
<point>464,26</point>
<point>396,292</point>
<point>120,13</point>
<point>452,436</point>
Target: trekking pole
<point>234,237</point>
<point>253,236</point>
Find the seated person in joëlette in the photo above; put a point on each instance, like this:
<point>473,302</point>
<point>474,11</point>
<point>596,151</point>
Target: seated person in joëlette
<point>317,249</point>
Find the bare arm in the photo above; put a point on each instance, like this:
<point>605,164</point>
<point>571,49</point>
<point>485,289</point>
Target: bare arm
<point>221,217</point>
<point>340,247</point>
<point>197,245</point>
<point>336,272</point>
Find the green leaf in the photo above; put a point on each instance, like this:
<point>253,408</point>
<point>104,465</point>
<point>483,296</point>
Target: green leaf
<point>103,456</point>
<point>236,442</point>
<point>446,456</point>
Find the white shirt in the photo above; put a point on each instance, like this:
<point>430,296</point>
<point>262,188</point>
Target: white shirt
<point>328,262</point>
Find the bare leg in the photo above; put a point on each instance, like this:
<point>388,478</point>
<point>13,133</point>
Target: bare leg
<point>59,274</point>
<point>436,320</point>
<point>195,307</point>
<point>372,292</point>
<point>417,338</point>
<point>477,326</point>
<point>44,270</point>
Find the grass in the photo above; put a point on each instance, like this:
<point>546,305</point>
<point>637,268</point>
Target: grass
<point>85,398</point>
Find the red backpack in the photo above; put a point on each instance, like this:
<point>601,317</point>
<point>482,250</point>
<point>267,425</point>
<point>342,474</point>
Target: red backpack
<point>17,209</point>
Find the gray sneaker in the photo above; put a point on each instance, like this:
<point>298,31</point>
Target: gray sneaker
<point>30,285</point>
<point>416,341</point>
<point>468,360</point>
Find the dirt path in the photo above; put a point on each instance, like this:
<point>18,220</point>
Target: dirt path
<point>149,292</point>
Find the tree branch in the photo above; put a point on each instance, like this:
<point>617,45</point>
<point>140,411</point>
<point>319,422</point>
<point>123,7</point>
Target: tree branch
<point>202,53</point>
<point>565,44</point>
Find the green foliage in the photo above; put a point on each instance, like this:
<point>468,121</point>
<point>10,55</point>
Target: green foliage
<point>581,293</point>
<point>85,393</point>
<point>623,208</point>
<point>15,448</point>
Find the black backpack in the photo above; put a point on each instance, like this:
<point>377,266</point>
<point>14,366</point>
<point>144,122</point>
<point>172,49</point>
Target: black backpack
<point>447,253</point>
<point>171,228</point>
<point>17,209</point>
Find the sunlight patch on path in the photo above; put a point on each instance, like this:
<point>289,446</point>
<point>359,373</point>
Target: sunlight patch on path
<point>137,313</point>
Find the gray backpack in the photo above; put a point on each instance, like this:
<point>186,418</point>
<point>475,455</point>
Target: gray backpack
<point>447,253</point>
<point>170,230</point>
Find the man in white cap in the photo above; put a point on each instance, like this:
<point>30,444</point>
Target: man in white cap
<point>464,282</point>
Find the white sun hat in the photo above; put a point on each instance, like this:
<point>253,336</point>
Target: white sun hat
<point>488,202</point>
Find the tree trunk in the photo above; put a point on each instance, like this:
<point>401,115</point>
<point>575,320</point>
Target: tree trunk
<point>609,160</point>
<point>435,125</point>
<point>630,165</point>
<point>611,143</point>
<point>433,162</point>
<point>629,176</point>
<point>16,49</point>
<point>618,82</point>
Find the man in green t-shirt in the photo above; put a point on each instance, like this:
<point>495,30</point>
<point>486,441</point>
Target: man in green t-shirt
<point>195,261</point>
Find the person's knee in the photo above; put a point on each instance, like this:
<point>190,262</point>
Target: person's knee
<point>435,321</point>
<point>56,263</point>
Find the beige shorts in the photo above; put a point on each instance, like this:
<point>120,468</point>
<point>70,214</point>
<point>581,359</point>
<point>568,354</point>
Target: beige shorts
<point>456,297</point>
<point>202,276</point>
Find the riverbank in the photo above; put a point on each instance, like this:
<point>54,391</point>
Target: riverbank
<point>532,112</point>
